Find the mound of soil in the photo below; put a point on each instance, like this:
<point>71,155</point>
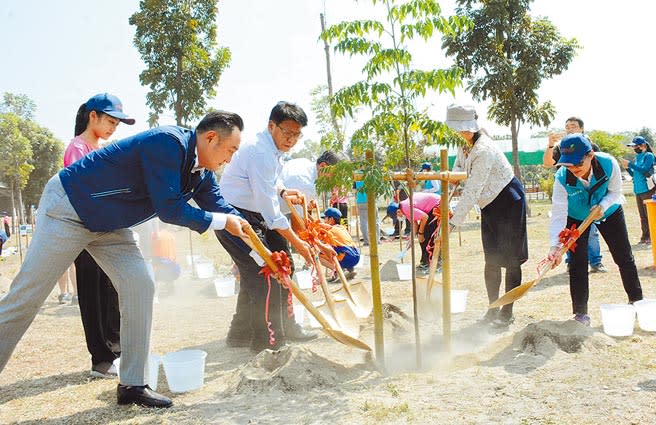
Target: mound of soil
<point>546,336</point>
<point>290,369</point>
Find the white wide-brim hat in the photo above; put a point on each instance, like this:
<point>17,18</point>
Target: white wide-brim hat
<point>461,118</point>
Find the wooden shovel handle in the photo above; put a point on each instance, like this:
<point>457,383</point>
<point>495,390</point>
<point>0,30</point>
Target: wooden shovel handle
<point>295,213</point>
<point>342,278</point>
<point>582,228</point>
<point>255,243</point>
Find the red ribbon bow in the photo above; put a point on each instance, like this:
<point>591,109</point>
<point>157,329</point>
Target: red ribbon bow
<point>281,260</point>
<point>566,235</point>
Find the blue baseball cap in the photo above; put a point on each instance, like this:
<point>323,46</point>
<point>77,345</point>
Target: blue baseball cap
<point>426,166</point>
<point>110,105</point>
<point>333,213</point>
<point>573,148</point>
<point>638,140</point>
<point>392,208</point>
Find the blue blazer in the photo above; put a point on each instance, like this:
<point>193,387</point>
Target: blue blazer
<point>143,176</point>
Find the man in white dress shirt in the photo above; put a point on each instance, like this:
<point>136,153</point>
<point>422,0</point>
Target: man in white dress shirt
<point>251,183</point>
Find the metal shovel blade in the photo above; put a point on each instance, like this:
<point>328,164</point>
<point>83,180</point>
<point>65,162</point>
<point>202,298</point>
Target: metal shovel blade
<point>340,316</point>
<point>354,292</point>
<point>339,311</point>
<point>359,296</point>
<point>514,294</point>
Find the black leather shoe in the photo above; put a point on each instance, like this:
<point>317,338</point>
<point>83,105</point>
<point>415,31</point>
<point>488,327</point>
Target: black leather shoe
<point>141,396</point>
<point>297,333</point>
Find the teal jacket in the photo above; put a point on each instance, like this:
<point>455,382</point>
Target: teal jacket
<point>641,169</point>
<point>580,199</point>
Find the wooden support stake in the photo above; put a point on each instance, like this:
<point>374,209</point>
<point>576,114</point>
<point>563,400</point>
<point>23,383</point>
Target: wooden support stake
<point>446,267</point>
<point>375,274</point>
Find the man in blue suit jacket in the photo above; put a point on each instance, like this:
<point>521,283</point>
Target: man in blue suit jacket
<point>92,203</point>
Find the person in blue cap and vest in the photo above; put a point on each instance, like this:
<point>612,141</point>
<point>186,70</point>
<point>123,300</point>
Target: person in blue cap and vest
<point>642,170</point>
<point>590,182</point>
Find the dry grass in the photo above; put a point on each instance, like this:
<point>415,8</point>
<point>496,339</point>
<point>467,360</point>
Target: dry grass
<point>487,381</point>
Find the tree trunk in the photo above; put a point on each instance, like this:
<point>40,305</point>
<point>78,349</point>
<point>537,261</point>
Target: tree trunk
<point>515,149</point>
<point>178,92</point>
<point>21,206</point>
<point>14,211</point>
<point>514,131</point>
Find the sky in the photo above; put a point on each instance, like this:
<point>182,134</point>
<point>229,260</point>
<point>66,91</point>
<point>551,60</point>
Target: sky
<point>60,53</point>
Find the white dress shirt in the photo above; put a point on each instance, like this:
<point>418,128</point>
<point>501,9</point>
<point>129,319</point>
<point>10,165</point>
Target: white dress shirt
<point>218,219</point>
<point>299,174</point>
<point>559,199</point>
<point>251,180</point>
<point>488,172</point>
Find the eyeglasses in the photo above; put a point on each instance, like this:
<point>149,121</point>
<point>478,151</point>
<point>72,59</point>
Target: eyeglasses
<point>290,134</point>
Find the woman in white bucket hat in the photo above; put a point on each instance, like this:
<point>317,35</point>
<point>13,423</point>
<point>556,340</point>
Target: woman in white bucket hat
<point>492,186</point>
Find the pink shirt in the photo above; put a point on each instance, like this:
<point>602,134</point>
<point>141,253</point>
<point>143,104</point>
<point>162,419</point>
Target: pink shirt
<point>424,202</point>
<point>339,198</point>
<point>76,149</point>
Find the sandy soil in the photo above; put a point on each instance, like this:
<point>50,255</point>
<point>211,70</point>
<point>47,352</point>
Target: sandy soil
<point>543,370</point>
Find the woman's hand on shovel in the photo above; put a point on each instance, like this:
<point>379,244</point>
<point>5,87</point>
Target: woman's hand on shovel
<point>554,256</point>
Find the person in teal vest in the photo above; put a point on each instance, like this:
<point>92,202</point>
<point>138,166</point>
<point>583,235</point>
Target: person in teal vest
<point>588,182</point>
<point>641,169</point>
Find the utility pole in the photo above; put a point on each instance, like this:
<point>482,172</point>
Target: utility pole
<point>326,49</point>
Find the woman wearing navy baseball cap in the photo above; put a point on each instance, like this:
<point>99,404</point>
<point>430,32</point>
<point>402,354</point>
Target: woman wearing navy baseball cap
<point>589,182</point>
<point>97,119</point>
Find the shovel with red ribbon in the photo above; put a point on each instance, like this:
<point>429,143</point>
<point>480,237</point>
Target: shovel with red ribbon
<point>568,239</point>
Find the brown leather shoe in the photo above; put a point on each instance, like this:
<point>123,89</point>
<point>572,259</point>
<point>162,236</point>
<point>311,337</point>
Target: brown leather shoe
<point>141,396</point>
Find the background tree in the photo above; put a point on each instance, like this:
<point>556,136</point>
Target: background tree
<point>612,143</point>
<point>18,104</point>
<point>330,129</point>
<point>505,57</point>
<point>47,159</point>
<point>391,86</point>
<point>177,42</point>
<point>647,134</point>
<point>15,152</point>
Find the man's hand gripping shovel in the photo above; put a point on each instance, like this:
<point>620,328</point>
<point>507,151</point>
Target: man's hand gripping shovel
<point>331,329</point>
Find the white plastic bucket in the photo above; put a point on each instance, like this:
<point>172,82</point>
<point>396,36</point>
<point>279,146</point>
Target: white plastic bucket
<point>404,271</point>
<point>458,300</point>
<point>153,370</point>
<point>225,286</point>
<point>646,310</point>
<point>303,279</point>
<point>618,319</point>
<point>299,313</point>
<point>204,269</point>
<point>185,370</point>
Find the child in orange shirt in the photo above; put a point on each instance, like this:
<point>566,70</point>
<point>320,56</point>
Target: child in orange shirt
<point>340,239</point>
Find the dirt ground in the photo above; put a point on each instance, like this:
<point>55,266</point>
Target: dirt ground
<point>544,370</point>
